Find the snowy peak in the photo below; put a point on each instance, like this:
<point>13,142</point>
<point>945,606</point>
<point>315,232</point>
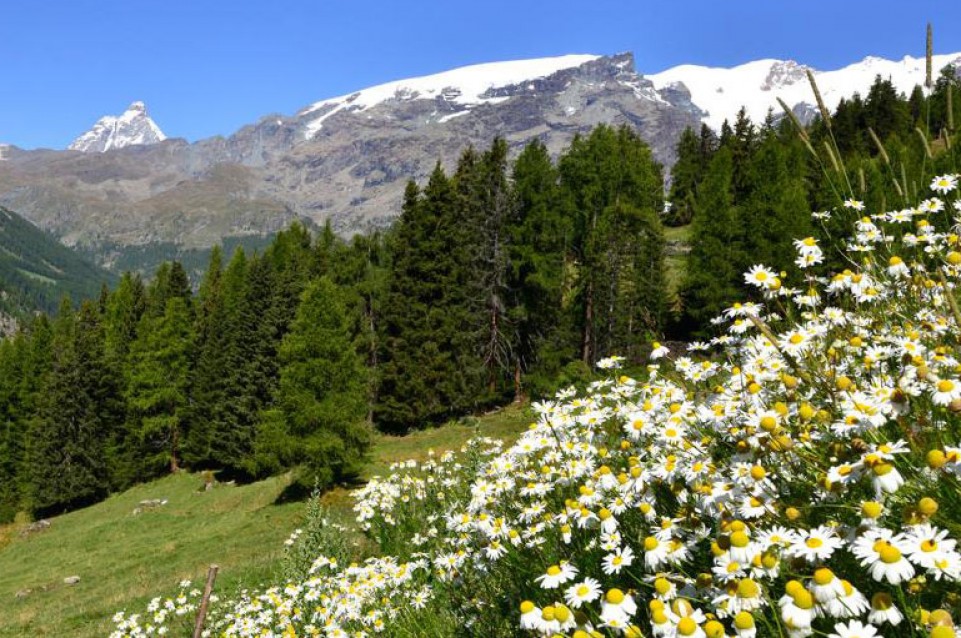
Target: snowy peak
<point>784,73</point>
<point>721,92</point>
<point>461,88</point>
<point>134,126</point>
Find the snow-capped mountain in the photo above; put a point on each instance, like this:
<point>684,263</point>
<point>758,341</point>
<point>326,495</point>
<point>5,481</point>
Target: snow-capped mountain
<point>134,126</point>
<point>459,89</point>
<point>721,92</point>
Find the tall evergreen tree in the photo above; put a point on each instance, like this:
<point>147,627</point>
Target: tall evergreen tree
<point>540,234</point>
<point>482,212</point>
<point>685,175</point>
<point>157,388</point>
<point>122,312</point>
<point>318,419</point>
<point>712,278</point>
<point>421,381</point>
<point>605,178</point>
<point>66,448</point>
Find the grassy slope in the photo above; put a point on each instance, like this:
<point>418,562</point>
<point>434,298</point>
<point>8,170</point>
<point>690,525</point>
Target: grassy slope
<point>123,559</point>
<point>675,260</point>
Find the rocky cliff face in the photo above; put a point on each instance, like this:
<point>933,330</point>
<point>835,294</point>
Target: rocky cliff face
<point>345,159</point>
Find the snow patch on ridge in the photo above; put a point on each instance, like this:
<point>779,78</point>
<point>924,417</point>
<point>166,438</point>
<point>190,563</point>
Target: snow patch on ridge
<point>465,87</point>
<point>721,92</point>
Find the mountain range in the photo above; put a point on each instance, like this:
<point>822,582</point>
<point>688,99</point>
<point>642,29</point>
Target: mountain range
<point>124,186</point>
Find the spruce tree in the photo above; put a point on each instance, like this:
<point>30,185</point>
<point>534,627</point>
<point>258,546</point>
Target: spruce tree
<point>540,234</point>
<point>420,380</point>
<point>481,214</point>
<point>606,179</point>
<point>157,386</point>
<point>318,418</point>
<point>122,311</point>
<point>712,280</point>
<point>685,174</point>
<point>66,447</point>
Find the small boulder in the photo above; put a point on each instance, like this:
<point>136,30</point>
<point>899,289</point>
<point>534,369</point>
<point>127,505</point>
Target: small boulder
<point>35,527</point>
<point>71,580</point>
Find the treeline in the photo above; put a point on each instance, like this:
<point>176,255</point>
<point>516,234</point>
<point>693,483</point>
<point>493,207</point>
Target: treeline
<point>499,280</point>
<point>748,192</point>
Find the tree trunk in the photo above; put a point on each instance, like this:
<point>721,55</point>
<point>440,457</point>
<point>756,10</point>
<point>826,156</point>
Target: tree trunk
<point>174,450</point>
<point>518,388</point>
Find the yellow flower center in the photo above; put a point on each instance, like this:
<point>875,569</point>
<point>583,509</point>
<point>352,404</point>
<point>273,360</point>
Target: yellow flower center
<point>823,576</point>
<point>614,596</point>
<point>871,509</point>
<point>890,554</point>
<point>814,542</point>
<point>553,570</point>
<point>803,599</point>
<point>744,621</point>
<point>882,601</point>
<point>686,627</point>
<point>739,539</point>
<point>747,588</point>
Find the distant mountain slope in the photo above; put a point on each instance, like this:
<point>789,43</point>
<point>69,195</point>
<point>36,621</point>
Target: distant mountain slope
<point>721,92</point>
<point>36,270</point>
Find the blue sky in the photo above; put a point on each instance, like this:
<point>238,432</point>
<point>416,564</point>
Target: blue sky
<point>207,67</point>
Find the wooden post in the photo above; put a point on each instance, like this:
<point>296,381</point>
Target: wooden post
<point>202,612</point>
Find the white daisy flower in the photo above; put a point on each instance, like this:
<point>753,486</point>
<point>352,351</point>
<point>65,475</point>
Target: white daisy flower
<point>586,591</point>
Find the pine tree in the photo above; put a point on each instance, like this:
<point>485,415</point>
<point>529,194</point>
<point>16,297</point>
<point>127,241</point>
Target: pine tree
<point>318,418</point>
<point>208,366</point>
<point>685,175</point>
<point>775,211</point>
<point>606,179</point>
<point>157,387</point>
<point>540,234</point>
<point>66,447</point>
<point>481,213</point>
<point>234,436</point>
<point>712,280</point>
<point>429,371</point>
<point>12,351</point>
<point>122,312</point>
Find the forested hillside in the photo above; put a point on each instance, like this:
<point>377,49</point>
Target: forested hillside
<point>36,270</point>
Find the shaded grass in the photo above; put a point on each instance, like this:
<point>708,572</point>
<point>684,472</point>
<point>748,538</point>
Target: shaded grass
<point>677,245</point>
<point>123,559</point>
